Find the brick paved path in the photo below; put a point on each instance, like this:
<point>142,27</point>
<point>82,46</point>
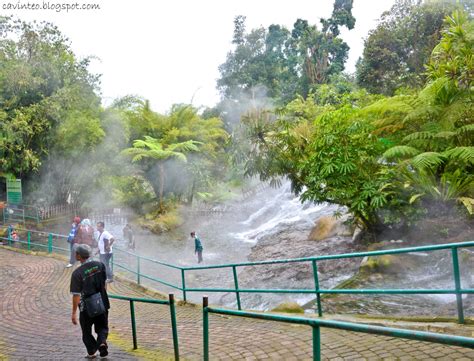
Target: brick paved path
<point>35,324</point>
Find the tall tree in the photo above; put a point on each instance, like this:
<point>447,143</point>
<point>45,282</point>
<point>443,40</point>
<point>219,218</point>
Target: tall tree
<point>45,91</point>
<point>286,63</point>
<point>396,51</point>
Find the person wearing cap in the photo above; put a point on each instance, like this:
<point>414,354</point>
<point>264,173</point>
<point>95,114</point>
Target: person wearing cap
<point>71,239</point>
<point>87,280</point>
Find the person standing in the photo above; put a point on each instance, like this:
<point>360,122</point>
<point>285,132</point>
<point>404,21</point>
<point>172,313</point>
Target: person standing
<point>105,242</point>
<point>72,240</point>
<point>88,280</point>
<point>128,235</point>
<point>85,233</point>
<point>197,246</point>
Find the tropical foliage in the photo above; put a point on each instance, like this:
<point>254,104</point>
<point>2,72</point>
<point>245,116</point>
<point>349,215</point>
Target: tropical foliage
<point>397,50</point>
<point>384,155</point>
<point>391,141</point>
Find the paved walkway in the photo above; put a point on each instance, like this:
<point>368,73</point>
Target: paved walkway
<point>35,324</point>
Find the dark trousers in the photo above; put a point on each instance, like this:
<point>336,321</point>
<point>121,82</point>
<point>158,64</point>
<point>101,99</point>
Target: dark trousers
<point>199,253</point>
<point>105,259</point>
<point>101,328</point>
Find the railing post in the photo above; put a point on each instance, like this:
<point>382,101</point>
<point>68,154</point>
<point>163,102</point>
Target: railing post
<point>457,284</point>
<point>174,327</point>
<point>138,269</point>
<point>236,284</point>
<point>112,263</point>
<point>316,287</point>
<point>29,241</point>
<point>183,283</point>
<point>9,237</point>
<point>205,328</point>
<point>50,243</point>
<point>316,343</point>
<point>134,327</point>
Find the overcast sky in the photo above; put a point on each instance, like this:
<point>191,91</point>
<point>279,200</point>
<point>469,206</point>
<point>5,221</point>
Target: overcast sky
<point>169,51</point>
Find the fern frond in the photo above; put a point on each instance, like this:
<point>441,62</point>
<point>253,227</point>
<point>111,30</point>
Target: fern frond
<point>421,113</point>
<point>465,129</point>
<point>397,104</point>
<point>431,90</point>
<point>464,154</point>
<point>419,136</point>
<point>445,135</point>
<point>400,151</point>
<point>188,146</point>
<point>428,160</point>
<point>137,154</point>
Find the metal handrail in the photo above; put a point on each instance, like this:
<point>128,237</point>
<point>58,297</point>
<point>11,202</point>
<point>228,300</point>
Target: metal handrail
<point>317,324</point>
<point>170,302</point>
<point>458,290</point>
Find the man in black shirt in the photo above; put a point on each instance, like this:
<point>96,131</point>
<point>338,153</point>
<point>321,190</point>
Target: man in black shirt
<point>87,280</point>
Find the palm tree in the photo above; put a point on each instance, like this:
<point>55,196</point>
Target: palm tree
<point>152,148</point>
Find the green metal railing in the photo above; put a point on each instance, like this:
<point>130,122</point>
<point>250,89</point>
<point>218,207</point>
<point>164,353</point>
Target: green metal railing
<point>170,303</point>
<point>18,213</point>
<point>35,239</point>
<point>317,324</point>
<point>458,290</point>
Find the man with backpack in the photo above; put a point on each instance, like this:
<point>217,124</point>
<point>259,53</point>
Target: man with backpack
<point>89,294</point>
<point>85,234</point>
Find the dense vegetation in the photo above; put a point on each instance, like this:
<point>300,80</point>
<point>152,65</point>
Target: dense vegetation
<point>384,158</point>
<point>390,143</point>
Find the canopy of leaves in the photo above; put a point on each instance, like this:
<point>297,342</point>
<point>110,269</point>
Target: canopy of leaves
<point>286,63</point>
<point>397,50</point>
<point>182,135</point>
<point>48,101</point>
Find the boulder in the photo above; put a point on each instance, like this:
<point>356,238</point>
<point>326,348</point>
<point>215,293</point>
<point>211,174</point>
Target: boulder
<point>329,226</point>
<point>288,307</point>
<point>388,264</point>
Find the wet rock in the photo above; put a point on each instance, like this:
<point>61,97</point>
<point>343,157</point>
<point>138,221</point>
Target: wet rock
<point>289,307</point>
<point>358,234</point>
<point>387,263</point>
<point>289,243</point>
<point>329,226</point>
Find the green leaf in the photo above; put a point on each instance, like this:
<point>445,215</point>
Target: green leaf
<point>468,203</point>
<point>415,197</point>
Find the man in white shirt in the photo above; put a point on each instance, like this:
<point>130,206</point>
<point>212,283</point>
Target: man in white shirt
<point>105,242</point>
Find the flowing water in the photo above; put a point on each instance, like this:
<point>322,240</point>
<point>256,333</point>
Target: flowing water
<point>274,224</point>
<point>227,238</point>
